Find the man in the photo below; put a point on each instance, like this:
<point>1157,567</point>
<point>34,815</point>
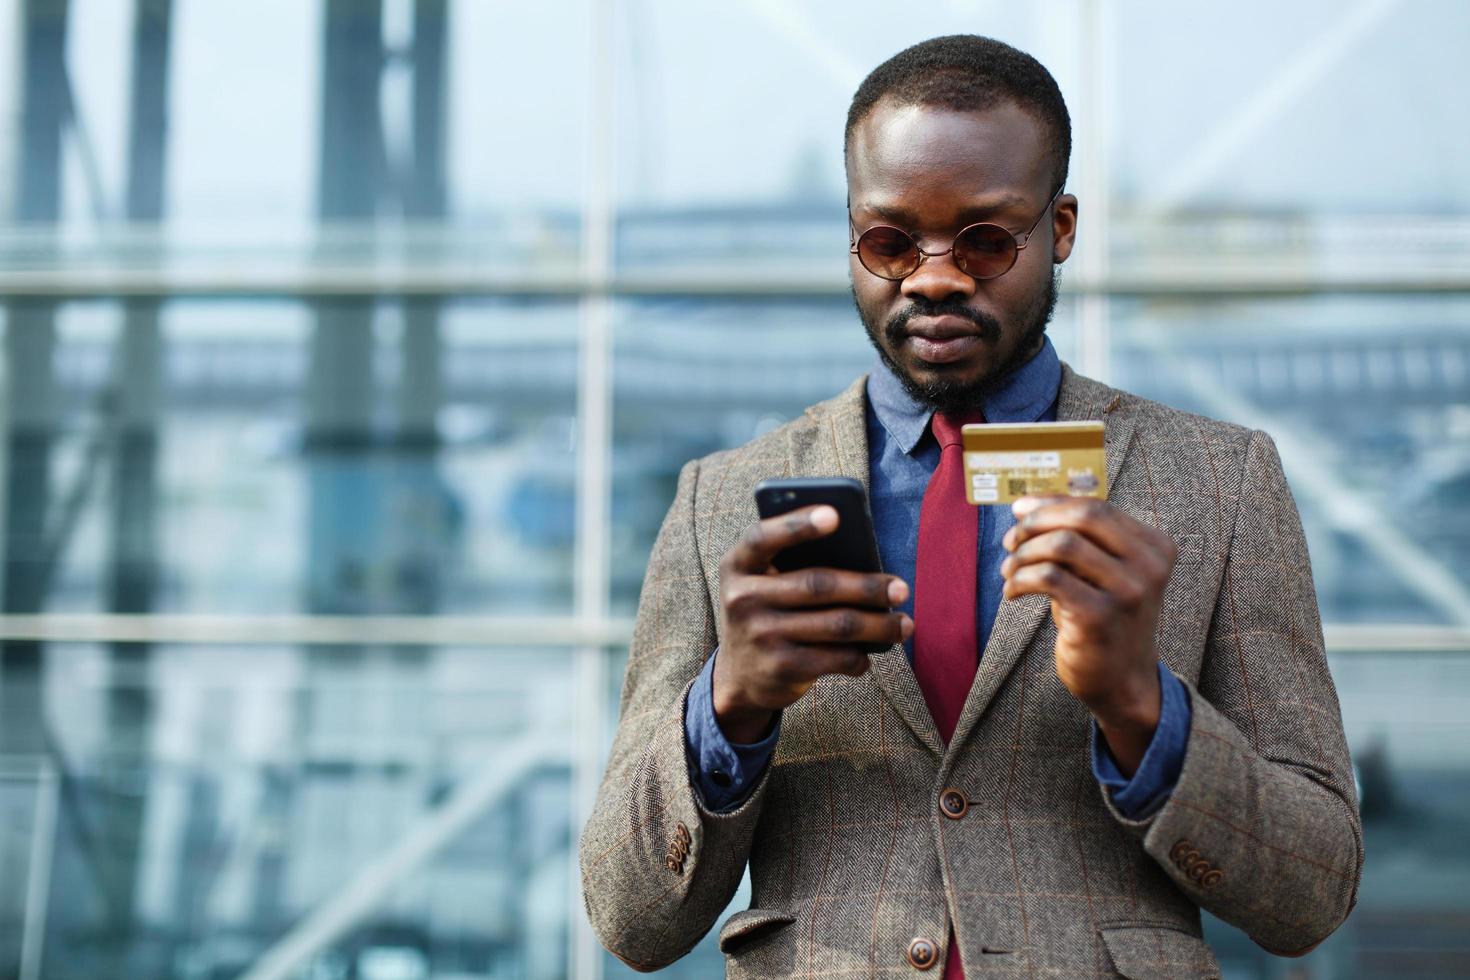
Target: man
<point>1094,717</point>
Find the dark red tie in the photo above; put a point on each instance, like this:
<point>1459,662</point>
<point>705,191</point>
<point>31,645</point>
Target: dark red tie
<point>946,654</point>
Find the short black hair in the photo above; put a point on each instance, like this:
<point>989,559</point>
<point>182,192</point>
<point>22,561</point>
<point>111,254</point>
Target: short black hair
<point>969,73</point>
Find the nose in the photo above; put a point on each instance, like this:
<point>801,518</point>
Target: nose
<point>937,279</point>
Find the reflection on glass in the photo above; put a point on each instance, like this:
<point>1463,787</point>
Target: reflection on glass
<point>1366,401</point>
<point>400,465</point>
<point>431,785</point>
<point>284,448</point>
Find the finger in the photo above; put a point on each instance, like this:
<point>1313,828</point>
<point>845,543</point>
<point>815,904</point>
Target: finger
<point>1050,579</point>
<point>816,660</point>
<point>845,626</point>
<point>1078,553</point>
<point>832,587</point>
<point>1109,527</point>
<point>773,535</point>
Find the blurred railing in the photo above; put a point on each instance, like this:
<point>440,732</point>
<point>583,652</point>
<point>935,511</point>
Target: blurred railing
<point>455,786</point>
<point>1399,688</point>
<point>511,631</point>
<point>718,255</point>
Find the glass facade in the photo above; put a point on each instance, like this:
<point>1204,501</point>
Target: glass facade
<point>351,350</point>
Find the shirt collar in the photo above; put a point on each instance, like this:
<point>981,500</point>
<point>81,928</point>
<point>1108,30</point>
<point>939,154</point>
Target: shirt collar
<point>1024,397</point>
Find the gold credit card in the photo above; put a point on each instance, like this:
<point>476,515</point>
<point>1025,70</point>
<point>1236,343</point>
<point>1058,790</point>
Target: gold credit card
<point>1005,461</point>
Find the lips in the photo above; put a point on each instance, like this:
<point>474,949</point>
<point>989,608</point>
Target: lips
<point>942,327</point>
<point>940,340</point>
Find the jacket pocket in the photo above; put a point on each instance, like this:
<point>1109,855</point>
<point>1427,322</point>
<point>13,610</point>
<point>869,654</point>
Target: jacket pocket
<point>744,928</point>
<point>1158,953</point>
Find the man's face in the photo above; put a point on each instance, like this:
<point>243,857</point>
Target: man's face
<point>931,172</point>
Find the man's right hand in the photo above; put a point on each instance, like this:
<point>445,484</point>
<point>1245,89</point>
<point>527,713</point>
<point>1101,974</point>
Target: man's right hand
<point>783,630</point>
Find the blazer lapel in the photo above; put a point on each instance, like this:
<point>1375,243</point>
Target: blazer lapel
<point>1017,620</point>
<point>841,448</point>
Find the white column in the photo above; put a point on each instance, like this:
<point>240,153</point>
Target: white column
<point>594,464</point>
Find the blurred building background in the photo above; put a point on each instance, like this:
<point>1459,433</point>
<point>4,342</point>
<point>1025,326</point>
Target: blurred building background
<point>351,348</point>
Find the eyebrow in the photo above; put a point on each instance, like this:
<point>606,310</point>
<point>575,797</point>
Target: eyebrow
<point>966,216</point>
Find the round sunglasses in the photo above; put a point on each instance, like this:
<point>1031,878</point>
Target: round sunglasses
<point>982,251</point>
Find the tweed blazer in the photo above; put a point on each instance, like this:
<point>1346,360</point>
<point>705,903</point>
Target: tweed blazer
<point>852,856</point>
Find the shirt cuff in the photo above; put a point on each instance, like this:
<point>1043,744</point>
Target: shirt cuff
<point>723,772</point>
<point>1158,773</point>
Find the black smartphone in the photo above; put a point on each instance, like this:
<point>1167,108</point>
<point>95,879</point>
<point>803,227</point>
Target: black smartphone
<point>853,546</point>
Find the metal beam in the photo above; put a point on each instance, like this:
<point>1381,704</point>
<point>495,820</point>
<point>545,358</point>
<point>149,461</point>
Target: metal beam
<point>428,184</point>
<point>133,423</point>
<point>39,870</point>
<point>319,630</point>
<point>452,278</point>
<point>421,381</point>
<point>31,395</point>
<point>1358,638</point>
<point>340,396</point>
<point>505,632</point>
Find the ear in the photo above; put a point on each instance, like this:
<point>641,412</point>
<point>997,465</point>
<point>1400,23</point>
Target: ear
<point>1063,227</point>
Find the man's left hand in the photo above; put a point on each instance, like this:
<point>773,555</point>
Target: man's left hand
<point>1105,573</point>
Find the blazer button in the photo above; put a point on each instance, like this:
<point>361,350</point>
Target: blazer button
<point>952,803</point>
<point>922,953</point>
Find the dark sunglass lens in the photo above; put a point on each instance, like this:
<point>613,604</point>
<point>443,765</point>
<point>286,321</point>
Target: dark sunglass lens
<point>985,251</point>
<point>887,252</point>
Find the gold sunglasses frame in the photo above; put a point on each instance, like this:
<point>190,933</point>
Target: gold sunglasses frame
<point>854,242</point>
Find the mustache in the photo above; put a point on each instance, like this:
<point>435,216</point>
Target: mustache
<point>896,329</point>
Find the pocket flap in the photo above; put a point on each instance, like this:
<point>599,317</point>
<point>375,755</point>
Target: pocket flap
<point>742,927</point>
<point>1158,953</point>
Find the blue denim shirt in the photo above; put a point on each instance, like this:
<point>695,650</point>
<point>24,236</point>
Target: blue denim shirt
<point>902,456</point>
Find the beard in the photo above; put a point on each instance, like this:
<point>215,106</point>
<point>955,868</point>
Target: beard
<point>954,396</point>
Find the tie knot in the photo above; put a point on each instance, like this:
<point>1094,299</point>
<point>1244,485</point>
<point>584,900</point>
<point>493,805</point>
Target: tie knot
<point>947,428</point>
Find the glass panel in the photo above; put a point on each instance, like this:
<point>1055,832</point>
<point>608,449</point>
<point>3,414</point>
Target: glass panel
<point>213,798</point>
<point>1366,399</point>
<point>255,456</point>
<point>242,158</point>
<point>1289,151</point>
<point>405,454</point>
<point>1307,117</point>
<point>520,76</point>
<point>59,415</point>
<point>287,141</point>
